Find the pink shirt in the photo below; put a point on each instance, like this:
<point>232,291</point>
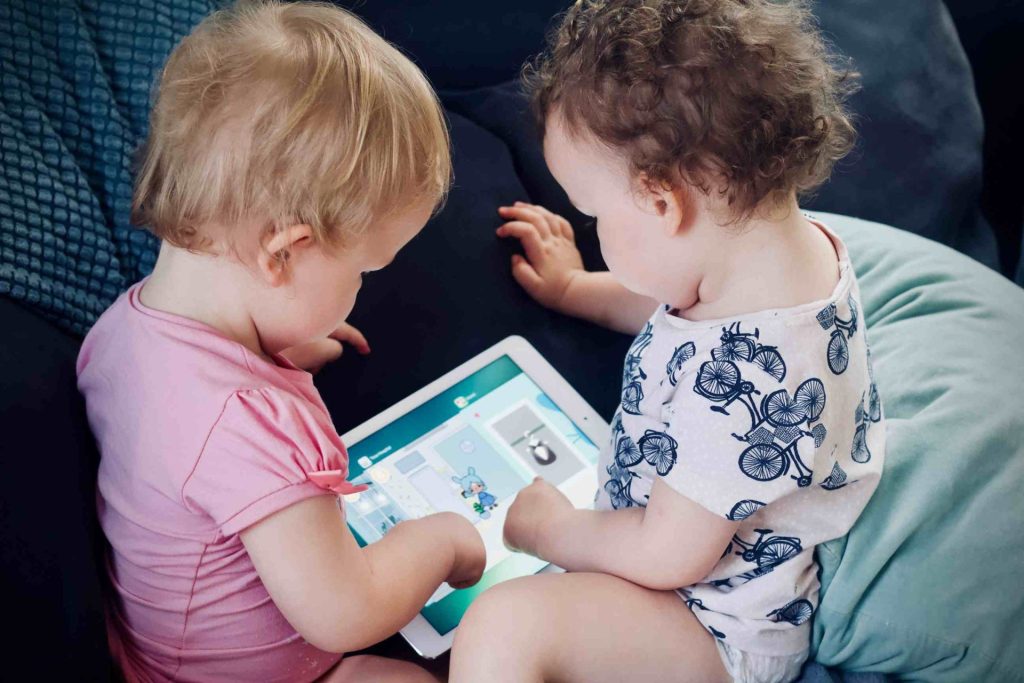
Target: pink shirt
<point>199,439</point>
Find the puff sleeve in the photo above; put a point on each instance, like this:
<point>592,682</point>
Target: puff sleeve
<point>268,450</point>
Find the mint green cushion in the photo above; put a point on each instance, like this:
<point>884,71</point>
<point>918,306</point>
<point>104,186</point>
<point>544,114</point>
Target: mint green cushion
<point>928,582</point>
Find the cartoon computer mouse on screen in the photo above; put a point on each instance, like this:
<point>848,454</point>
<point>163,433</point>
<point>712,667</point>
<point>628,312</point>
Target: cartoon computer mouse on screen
<point>540,450</point>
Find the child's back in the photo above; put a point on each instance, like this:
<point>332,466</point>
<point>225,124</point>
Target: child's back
<point>200,439</point>
<point>290,151</point>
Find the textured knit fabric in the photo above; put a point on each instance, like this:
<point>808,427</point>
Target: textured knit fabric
<point>75,84</point>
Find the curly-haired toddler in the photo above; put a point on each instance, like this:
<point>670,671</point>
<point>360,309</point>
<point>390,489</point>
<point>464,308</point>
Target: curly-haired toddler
<point>749,428</point>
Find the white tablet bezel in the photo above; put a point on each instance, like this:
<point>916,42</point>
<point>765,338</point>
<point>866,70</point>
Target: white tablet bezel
<point>419,633</point>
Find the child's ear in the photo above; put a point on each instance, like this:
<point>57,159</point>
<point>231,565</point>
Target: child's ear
<point>671,204</point>
<point>277,248</point>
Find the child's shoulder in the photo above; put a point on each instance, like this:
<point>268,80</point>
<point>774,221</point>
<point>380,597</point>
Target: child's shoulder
<point>178,408</point>
<point>178,375</point>
<point>785,321</point>
<point>813,347</point>
<point>131,342</point>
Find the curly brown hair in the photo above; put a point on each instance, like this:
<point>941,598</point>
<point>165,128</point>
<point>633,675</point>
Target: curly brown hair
<point>743,95</point>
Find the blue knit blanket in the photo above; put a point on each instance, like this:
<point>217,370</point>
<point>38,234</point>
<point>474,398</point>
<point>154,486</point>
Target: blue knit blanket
<point>75,83</point>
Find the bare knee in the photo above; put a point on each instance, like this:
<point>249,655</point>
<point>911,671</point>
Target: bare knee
<point>501,635</point>
<point>505,612</point>
<point>378,669</point>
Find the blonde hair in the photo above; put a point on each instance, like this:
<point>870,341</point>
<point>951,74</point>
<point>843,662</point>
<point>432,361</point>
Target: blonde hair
<point>285,114</point>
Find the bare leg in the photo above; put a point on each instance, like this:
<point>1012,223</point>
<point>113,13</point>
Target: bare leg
<point>582,627</point>
<point>366,668</point>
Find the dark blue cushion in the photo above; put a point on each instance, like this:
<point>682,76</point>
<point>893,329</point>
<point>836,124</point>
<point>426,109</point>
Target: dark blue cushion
<point>462,43</point>
<point>49,536</point>
<point>1020,268</point>
<point>74,102</point>
<point>918,161</point>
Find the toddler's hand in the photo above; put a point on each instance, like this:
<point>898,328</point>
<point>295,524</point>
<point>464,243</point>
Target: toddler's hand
<point>552,260</point>
<point>470,554</point>
<point>314,355</point>
<point>535,506</point>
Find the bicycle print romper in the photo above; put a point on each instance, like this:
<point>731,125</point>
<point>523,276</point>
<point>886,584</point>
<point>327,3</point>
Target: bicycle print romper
<point>771,419</point>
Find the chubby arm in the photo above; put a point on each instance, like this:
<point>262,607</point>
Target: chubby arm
<point>673,542</point>
<point>599,298</point>
<point>553,273</point>
<point>341,597</point>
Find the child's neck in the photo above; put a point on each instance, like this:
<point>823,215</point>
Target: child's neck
<point>202,288</point>
<point>776,261</point>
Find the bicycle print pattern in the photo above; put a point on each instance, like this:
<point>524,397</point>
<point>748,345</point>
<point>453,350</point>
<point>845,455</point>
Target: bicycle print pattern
<point>766,553</point>
<point>780,443</point>
<point>737,345</point>
<point>657,448</point>
<point>863,418</point>
<point>796,612</point>
<point>775,423</point>
<point>620,482</point>
<point>683,353</point>
<point>744,509</point>
<point>838,348</point>
<point>836,480</point>
<point>633,374</point>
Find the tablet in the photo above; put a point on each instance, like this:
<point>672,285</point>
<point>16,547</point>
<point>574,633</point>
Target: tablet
<point>467,443</point>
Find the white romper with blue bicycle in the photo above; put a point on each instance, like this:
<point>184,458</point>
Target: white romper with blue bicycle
<point>732,414</point>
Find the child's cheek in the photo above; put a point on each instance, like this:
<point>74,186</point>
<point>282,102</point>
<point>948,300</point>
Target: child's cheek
<point>345,302</point>
<point>620,254</point>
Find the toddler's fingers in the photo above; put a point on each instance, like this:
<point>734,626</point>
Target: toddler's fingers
<point>525,275</point>
<point>525,233</point>
<point>559,225</point>
<point>566,227</point>
<point>328,350</point>
<point>314,355</point>
<point>337,346</point>
<point>348,333</point>
<point>529,215</point>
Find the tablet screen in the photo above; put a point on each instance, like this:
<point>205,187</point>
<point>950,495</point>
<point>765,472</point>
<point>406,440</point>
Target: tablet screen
<point>468,450</point>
